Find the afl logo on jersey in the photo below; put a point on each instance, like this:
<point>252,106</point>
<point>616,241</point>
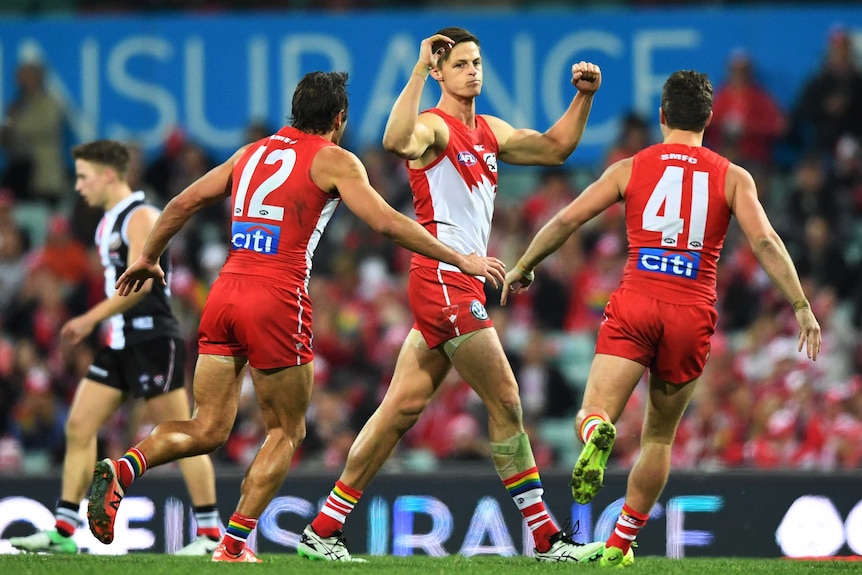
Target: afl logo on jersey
<point>466,158</point>
<point>259,238</point>
<point>478,310</point>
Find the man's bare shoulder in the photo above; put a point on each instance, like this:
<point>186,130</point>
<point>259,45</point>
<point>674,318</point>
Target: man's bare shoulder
<point>620,172</point>
<point>333,158</point>
<point>334,164</point>
<point>498,125</point>
<point>738,174</point>
<point>142,220</point>
<point>738,182</point>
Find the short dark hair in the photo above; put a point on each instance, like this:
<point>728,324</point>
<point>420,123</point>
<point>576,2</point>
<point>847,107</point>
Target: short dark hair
<point>106,153</point>
<point>318,98</point>
<point>458,36</point>
<point>686,100</point>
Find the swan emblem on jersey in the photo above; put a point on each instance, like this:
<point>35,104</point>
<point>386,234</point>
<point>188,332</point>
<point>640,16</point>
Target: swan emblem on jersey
<point>484,185</point>
<point>490,161</point>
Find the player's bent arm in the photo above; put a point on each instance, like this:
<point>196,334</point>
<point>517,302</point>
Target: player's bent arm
<point>527,147</point>
<point>409,136</point>
<point>212,187</point>
<point>598,196</point>
<point>340,170</point>
<point>762,237</point>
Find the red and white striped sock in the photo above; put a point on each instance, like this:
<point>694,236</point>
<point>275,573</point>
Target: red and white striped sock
<point>341,501</point>
<point>526,491</point>
<point>626,529</point>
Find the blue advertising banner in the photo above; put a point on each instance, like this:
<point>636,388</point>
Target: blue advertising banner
<point>136,77</point>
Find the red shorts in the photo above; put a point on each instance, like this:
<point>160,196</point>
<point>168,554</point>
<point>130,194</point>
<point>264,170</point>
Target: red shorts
<point>253,317</point>
<point>446,304</point>
<point>672,340</point>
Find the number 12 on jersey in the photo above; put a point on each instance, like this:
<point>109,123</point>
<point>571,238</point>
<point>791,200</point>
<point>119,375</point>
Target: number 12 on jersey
<point>668,194</point>
<point>256,206</point>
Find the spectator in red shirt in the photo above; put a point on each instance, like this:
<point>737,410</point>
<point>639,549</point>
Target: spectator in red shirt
<point>747,121</point>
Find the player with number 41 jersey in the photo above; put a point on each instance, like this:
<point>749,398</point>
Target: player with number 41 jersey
<point>677,217</point>
<point>679,198</point>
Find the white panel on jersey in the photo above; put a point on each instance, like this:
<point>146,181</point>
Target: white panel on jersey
<point>463,214</point>
<point>325,215</point>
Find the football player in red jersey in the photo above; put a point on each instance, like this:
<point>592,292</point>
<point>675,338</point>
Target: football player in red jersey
<point>283,189</point>
<point>678,197</point>
<point>452,157</point>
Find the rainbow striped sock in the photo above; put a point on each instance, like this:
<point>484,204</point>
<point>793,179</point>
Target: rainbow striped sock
<point>131,466</point>
<point>526,491</point>
<point>238,529</point>
<point>589,424</point>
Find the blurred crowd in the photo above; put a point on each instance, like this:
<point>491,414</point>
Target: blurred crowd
<point>760,403</point>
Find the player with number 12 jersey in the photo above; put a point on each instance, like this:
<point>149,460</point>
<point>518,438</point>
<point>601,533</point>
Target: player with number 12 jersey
<point>277,217</point>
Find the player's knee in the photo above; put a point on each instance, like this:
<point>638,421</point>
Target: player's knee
<point>506,405</point>
<point>407,412</point>
<point>214,434</point>
<point>78,431</point>
<point>296,434</point>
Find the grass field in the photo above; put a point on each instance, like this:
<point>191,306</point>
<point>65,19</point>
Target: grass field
<point>152,564</point>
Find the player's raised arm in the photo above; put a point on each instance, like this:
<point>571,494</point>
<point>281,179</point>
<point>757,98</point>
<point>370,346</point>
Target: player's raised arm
<point>772,254</point>
<point>335,168</point>
<point>556,144</point>
<point>407,135</point>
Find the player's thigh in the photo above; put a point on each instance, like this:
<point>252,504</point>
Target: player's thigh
<point>482,362</point>
<point>284,394</point>
<point>92,405</point>
<point>610,383</point>
<point>216,390</point>
<point>171,406</point>
<point>419,371</point>
<point>665,406</point>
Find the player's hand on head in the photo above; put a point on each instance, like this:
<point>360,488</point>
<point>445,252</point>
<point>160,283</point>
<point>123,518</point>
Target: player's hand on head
<point>809,333</point>
<point>586,77</point>
<point>491,269</point>
<point>432,48</point>
<point>516,281</point>
<point>137,274</point>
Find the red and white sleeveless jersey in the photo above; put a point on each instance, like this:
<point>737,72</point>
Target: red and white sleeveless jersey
<point>277,212</point>
<point>454,195</point>
<point>676,219</point>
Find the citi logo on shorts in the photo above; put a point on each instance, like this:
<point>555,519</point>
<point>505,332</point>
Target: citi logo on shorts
<point>672,263</point>
<point>259,238</point>
<point>467,158</point>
